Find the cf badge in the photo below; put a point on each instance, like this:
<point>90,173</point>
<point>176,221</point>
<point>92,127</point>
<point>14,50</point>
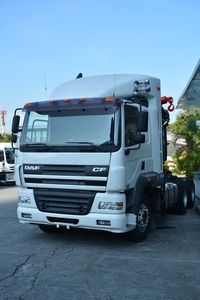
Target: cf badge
<point>99,169</point>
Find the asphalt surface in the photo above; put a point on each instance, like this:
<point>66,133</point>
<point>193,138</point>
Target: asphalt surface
<point>82,264</point>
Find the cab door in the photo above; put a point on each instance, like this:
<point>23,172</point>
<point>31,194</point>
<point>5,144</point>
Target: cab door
<point>135,157</point>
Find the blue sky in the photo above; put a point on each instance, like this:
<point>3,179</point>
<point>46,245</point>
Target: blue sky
<point>65,37</point>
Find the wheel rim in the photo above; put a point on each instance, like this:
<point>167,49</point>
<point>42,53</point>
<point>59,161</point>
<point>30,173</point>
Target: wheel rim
<point>193,196</point>
<point>185,200</point>
<point>143,217</point>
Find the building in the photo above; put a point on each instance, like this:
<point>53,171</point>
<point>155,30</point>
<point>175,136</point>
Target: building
<point>190,96</point>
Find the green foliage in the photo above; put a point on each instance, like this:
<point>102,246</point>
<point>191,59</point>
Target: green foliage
<point>170,127</point>
<point>6,138</point>
<point>187,158</point>
<point>186,163</point>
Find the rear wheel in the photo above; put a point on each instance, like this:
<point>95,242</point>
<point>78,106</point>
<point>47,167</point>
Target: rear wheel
<point>190,189</point>
<point>48,228</point>
<point>181,205</point>
<point>143,223</point>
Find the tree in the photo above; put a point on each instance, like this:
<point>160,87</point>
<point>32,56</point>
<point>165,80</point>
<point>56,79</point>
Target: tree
<point>187,157</point>
<point>6,138</point>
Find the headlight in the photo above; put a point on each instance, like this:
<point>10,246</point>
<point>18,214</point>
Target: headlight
<point>10,176</point>
<point>110,205</point>
<point>24,199</point>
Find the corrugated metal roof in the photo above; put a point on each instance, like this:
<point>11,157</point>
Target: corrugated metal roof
<point>190,96</point>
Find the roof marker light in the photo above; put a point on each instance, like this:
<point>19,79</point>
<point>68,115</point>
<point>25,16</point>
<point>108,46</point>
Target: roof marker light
<point>141,86</point>
<point>82,99</point>
<point>28,104</point>
<point>52,101</point>
<point>109,99</point>
<point>66,100</point>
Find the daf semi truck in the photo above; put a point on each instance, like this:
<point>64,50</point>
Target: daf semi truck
<point>93,157</point>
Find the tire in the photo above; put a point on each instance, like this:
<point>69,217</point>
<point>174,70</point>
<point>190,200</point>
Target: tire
<point>181,205</point>
<point>190,188</point>
<point>141,231</point>
<point>197,205</point>
<point>48,228</point>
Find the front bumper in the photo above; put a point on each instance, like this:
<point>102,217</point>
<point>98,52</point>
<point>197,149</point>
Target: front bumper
<point>118,222</point>
<point>114,221</point>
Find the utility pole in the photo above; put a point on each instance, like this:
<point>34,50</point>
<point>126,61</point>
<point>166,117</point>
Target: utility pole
<point>2,114</point>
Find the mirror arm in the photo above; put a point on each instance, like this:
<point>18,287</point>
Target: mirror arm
<point>12,142</point>
<point>19,108</point>
<point>130,148</point>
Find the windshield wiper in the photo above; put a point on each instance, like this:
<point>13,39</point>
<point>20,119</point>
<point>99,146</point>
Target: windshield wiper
<point>107,143</point>
<point>102,147</point>
<point>44,146</point>
<point>90,145</point>
<point>35,144</point>
<point>80,143</point>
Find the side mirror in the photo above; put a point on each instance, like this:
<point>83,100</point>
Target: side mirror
<point>14,138</point>
<point>139,138</point>
<point>15,124</point>
<point>142,124</point>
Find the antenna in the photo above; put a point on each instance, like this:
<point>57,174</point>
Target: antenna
<point>114,85</point>
<point>45,84</point>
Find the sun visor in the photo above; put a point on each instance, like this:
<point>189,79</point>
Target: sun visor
<point>108,104</point>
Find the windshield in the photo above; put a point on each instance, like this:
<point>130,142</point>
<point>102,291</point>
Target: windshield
<point>64,131</point>
<point>9,155</point>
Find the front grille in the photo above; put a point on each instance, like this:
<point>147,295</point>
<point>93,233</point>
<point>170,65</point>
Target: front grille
<point>64,201</point>
<point>65,170</point>
<point>65,181</point>
<point>80,177</point>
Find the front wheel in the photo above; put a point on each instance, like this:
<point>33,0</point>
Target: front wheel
<point>141,231</point>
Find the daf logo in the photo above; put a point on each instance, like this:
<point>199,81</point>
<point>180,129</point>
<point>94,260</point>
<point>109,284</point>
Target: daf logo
<point>97,169</point>
<point>31,168</point>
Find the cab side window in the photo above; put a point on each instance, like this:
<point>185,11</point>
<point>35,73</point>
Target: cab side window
<point>130,124</point>
<point>37,128</point>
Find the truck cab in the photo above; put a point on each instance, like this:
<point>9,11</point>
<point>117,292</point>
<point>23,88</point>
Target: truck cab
<point>92,156</point>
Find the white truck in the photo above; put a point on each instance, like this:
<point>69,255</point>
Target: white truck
<point>92,157</point>
<point>6,163</point>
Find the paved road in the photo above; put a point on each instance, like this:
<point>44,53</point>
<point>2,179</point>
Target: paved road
<point>83,264</point>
